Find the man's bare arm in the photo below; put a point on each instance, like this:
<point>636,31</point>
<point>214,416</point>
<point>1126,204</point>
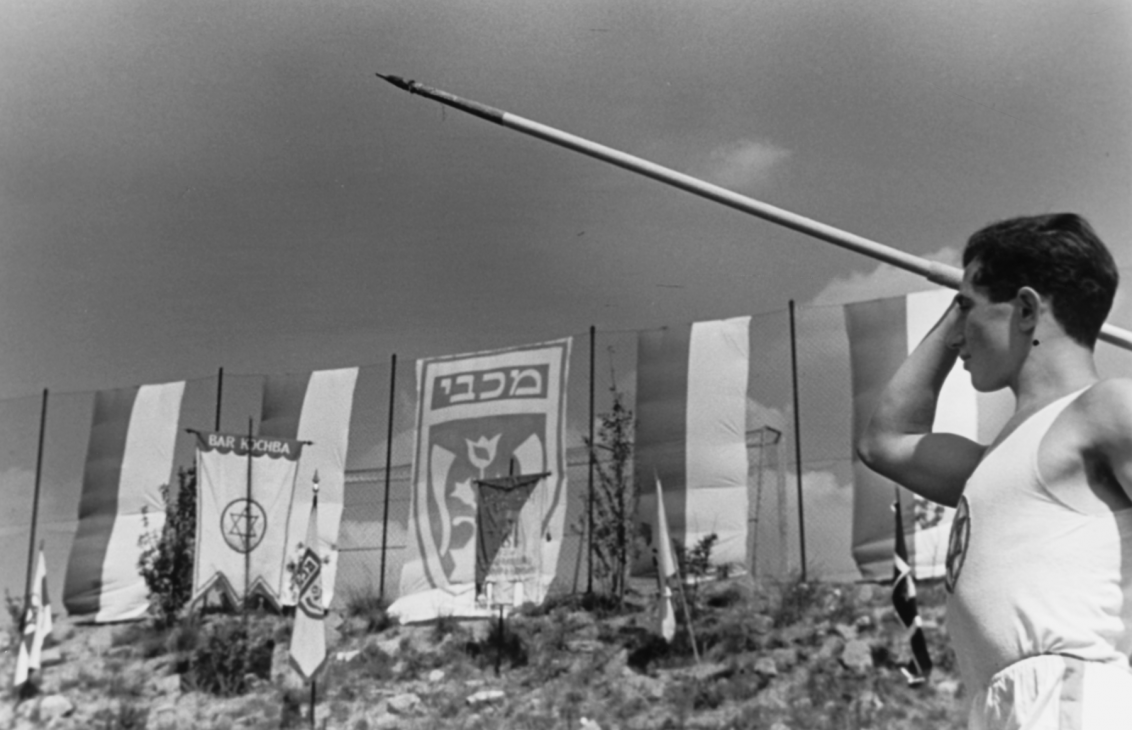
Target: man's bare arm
<point>898,442</point>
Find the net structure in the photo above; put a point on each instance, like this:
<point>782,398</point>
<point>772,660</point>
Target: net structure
<point>799,459</point>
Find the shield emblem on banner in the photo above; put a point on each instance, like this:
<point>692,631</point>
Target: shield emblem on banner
<point>460,452</point>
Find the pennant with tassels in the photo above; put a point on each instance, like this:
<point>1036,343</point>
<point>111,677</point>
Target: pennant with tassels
<point>37,624</point>
<point>308,638</point>
<point>666,566</point>
<point>916,671</point>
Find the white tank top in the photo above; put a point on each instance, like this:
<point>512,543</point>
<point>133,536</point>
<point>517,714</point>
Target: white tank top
<point>1026,573</point>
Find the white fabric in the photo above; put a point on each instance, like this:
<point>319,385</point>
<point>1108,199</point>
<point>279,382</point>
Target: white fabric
<point>325,424</point>
<point>716,451</point>
<point>223,524</point>
<point>1053,692</point>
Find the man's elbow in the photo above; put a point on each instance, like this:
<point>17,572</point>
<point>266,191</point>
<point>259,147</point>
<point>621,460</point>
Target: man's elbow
<point>867,450</point>
<point>870,449</point>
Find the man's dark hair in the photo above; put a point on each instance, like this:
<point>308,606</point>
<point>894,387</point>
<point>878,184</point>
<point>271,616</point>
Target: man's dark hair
<point>1058,255</point>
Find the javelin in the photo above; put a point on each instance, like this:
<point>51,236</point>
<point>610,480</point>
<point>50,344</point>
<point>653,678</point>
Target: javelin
<point>933,271</point>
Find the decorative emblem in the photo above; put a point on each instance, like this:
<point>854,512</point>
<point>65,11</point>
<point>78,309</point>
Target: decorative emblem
<point>243,525</point>
<point>957,544</point>
<point>307,574</point>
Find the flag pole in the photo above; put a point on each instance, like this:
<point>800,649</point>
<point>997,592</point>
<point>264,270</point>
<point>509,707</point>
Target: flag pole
<point>34,508</point>
<point>388,471</point>
<point>942,274</point>
<point>797,443</point>
<point>314,677</point>
<point>248,526</point>
<point>590,481</point>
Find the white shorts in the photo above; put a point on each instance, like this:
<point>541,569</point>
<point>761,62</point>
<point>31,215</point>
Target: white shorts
<point>1055,692</point>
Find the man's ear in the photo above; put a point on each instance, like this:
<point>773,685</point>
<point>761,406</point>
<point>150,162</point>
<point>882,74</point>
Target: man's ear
<point>1030,304</point>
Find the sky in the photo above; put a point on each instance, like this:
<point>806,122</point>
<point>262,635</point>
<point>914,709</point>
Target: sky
<point>198,185</point>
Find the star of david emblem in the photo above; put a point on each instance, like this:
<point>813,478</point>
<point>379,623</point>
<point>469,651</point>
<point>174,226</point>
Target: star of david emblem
<point>243,525</point>
<point>957,545</point>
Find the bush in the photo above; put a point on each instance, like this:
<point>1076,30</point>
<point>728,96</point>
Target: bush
<point>230,651</point>
<point>166,561</point>
<point>617,538</point>
<point>372,608</point>
<point>797,596</point>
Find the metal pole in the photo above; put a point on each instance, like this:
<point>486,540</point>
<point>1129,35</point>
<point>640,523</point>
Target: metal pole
<point>590,520</point>
<point>219,395</point>
<point>388,471</point>
<point>248,527</point>
<point>936,272</point>
<point>797,441</point>
<point>35,507</point>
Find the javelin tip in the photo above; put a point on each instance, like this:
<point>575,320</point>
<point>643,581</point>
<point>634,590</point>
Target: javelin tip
<point>397,81</point>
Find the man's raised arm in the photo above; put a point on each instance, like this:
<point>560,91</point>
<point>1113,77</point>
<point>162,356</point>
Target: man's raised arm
<point>898,442</point>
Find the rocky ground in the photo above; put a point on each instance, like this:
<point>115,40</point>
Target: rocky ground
<point>788,656</point>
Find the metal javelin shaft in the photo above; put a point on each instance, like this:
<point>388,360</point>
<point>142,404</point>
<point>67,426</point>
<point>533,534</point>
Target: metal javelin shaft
<point>933,271</point>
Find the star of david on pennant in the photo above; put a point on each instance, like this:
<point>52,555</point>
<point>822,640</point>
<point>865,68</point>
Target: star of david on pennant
<point>243,525</point>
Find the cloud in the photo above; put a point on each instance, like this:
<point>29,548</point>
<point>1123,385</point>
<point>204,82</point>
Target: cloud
<point>744,163</point>
<point>883,281</point>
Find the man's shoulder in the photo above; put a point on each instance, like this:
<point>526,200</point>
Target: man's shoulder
<point>1107,404</point>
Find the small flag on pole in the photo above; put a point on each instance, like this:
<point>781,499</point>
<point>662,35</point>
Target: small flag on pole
<point>308,639</point>
<point>917,670</point>
<point>667,567</point>
<point>37,624</point>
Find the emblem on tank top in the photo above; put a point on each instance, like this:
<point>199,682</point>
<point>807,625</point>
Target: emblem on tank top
<point>957,544</point>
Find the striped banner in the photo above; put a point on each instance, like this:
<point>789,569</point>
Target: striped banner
<point>129,459</point>
<point>882,333</point>
<point>691,432</point>
<point>314,407</point>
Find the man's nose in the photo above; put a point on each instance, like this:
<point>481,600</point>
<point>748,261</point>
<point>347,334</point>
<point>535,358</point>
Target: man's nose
<point>954,339</point>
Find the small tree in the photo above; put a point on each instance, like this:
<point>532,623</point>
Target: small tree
<point>166,561</point>
<point>615,530</point>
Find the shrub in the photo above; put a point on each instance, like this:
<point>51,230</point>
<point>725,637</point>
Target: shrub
<point>797,596</point>
<point>616,536</point>
<point>166,561</point>
<point>371,607</point>
<point>229,652</point>
<point>126,716</point>
<point>499,646</point>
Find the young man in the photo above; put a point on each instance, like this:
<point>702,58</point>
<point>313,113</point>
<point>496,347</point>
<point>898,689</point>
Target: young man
<point>1039,568</point>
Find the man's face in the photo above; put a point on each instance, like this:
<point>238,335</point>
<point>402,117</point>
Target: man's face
<point>982,335</point>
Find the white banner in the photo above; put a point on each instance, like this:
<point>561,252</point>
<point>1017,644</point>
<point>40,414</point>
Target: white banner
<point>241,541</point>
<point>485,416</point>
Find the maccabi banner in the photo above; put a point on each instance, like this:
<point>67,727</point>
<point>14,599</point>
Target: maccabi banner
<point>481,418</point>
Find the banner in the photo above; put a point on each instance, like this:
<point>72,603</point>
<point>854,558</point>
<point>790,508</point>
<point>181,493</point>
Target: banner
<point>504,558</point>
<point>129,458</point>
<point>666,568</point>
<point>37,624</point>
<point>315,408</point>
<point>308,636</point>
<point>480,417</point>
<point>246,489</point>
<point>691,432</point>
<point>882,333</point>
